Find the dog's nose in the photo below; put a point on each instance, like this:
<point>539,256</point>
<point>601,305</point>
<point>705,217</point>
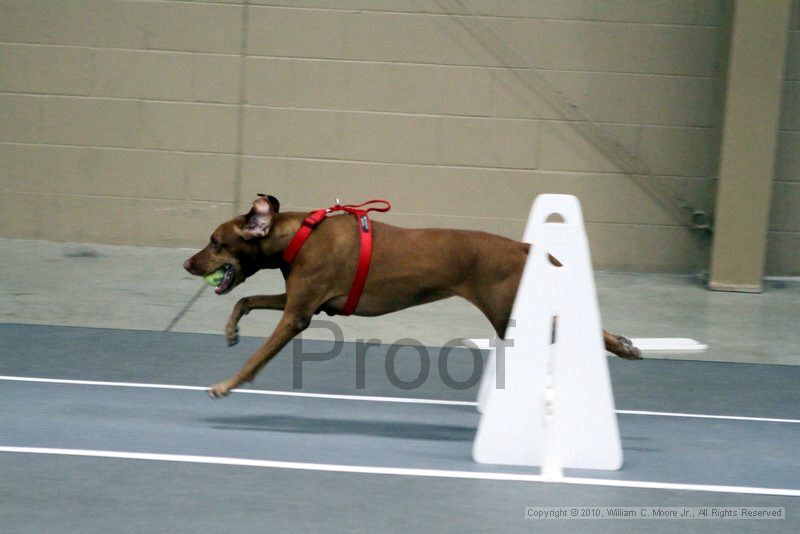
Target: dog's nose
<point>188,265</point>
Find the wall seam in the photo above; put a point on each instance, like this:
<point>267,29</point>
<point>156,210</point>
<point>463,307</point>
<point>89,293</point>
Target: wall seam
<point>237,180</point>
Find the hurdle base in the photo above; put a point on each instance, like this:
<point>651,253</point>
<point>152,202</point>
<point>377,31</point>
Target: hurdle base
<point>645,344</point>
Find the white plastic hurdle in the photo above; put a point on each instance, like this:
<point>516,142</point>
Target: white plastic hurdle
<point>556,408</point>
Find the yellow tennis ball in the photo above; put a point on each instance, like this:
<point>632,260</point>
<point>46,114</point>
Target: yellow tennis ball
<point>215,279</point>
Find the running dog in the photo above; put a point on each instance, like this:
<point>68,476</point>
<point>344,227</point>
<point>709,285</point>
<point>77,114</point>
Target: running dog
<point>408,267</point>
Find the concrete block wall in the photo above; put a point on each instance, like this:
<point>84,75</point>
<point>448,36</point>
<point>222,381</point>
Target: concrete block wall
<point>148,122</point>
<point>783,246</point>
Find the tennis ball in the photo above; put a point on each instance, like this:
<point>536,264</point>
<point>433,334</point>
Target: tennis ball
<point>215,279</point>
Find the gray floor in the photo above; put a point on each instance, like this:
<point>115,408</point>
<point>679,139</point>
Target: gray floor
<point>130,314</point>
<point>135,495</point>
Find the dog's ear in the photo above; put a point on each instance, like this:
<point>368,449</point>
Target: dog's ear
<point>276,205</point>
<point>258,220</point>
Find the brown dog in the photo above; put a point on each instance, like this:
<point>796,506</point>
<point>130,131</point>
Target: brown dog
<point>409,267</point>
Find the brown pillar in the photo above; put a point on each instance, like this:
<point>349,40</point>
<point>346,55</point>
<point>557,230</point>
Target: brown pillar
<point>749,139</point>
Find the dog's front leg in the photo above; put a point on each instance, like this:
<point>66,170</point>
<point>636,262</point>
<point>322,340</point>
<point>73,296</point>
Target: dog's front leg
<point>246,305</point>
<point>291,324</point>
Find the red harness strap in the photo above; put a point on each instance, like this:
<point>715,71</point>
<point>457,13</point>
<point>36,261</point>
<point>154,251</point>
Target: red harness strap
<point>365,228</point>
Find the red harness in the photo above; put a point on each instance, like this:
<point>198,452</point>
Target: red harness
<point>315,218</point>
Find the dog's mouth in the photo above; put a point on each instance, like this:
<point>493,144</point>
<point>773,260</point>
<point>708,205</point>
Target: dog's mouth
<point>228,280</point>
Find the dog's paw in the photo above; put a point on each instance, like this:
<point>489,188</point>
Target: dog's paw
<point>232,336</point>
<point>630,352</point>
<point>221,389</point>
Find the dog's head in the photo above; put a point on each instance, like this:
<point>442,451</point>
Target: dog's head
<point>235,245</point>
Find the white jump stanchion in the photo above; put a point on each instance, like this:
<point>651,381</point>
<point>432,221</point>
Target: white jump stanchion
<point>539,213</point>
<point>556,409</point>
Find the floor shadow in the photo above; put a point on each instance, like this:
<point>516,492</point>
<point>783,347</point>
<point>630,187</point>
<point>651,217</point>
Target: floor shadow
<point>315,425</point>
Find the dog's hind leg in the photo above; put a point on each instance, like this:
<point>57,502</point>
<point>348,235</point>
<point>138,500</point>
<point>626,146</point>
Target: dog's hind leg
<point>621,346</point>
<point>244,306</point>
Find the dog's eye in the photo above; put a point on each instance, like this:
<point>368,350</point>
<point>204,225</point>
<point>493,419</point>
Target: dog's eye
<point>216,244</point>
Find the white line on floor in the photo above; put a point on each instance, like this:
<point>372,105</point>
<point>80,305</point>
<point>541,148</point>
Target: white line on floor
<point>703,416</point>
<point>247,391</point>
<point>367,398</point>
<point>403,471</point>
